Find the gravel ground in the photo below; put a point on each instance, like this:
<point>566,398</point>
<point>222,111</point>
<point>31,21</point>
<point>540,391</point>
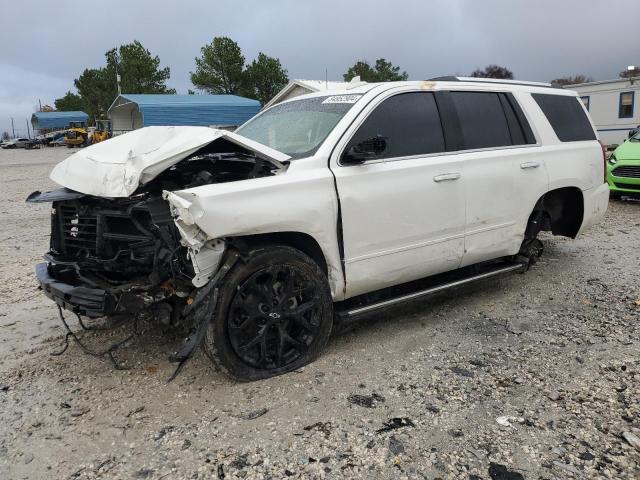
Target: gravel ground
<point>529,376</point>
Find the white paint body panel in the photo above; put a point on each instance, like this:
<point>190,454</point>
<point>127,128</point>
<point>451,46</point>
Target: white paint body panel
<point>116,167</point>
<point>397,223</point>
<point>301,200</point>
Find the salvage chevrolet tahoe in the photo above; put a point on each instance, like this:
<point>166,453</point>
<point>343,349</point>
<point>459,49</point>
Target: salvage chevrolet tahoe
<point>319,209</point>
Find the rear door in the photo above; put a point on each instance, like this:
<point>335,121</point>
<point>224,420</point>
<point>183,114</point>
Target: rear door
<point>503,176</point>
<point>403,214</point>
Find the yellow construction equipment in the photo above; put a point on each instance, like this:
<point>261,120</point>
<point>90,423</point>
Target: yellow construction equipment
<point>76,135</point>
<point>79,135</point>
<point>101,131</point>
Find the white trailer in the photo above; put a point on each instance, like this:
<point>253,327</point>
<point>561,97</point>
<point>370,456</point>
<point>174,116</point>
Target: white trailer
<point>612,106</point>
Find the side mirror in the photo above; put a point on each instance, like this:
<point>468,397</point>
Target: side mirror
<point>633,132</point>
<point>368,149</point>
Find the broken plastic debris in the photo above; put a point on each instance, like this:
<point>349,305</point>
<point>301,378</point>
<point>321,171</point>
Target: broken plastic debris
<point>324,427</point>
<point>395,423</point>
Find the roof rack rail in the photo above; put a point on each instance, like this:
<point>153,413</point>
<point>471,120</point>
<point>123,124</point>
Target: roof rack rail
<point>446,78</point>
<point>490,80</point>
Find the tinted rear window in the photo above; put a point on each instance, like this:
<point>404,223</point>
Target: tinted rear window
<point>409,122</point>
<point>482,119</point>
<point>566,116</point>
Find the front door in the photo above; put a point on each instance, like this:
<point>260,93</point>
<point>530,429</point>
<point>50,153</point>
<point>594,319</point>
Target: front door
<point>403,212</point>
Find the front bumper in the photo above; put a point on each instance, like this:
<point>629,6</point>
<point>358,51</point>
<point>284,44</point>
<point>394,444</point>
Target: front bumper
<point>88,300</point>
<point>623,184</point>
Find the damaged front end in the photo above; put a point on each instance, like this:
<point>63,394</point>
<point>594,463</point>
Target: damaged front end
<point>111,256</point>
<point>125,254</point>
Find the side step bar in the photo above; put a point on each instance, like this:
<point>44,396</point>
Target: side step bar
<point>430,291</point>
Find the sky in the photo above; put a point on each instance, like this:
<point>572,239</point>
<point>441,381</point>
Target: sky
<point>46,45</point>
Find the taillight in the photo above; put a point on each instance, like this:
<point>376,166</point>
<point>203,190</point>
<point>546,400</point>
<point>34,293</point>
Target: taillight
<point>604,160</point>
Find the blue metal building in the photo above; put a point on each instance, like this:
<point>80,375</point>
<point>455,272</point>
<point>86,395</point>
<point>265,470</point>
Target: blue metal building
<point>56,120</point>
<point>132,111</point>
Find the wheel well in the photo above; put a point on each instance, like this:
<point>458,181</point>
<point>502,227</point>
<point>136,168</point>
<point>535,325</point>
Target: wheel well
<point>560,211</point>
<point>301,241</point>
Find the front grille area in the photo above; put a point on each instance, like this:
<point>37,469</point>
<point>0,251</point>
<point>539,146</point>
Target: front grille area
<point>628,186</point>
<point>117,234</point>
<point>79,232</point>
<point>627,171</point>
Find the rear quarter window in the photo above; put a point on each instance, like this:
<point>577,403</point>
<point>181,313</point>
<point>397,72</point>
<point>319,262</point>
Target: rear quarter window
<point>566,116</point>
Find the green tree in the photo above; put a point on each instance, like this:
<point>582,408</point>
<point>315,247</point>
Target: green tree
<point>69,103</point>
<point>493,71</point>
<point>139,70</point>
<point>570,80</point>
<point>95,90</point>
<point>264,77</point>
<point>382,71</point>
<point>220,68</point>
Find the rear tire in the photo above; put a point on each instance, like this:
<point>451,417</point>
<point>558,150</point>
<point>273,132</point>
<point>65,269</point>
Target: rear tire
<point>274,314</point>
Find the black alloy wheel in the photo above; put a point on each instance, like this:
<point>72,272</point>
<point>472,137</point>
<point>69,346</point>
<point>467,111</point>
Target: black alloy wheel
<point>274,314</point>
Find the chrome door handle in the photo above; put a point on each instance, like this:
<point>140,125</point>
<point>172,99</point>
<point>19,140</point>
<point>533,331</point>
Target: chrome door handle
<point>529,165</point>
<point>446,177</point>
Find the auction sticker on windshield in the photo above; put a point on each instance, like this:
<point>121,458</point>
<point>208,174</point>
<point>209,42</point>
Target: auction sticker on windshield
<point>342,99</point>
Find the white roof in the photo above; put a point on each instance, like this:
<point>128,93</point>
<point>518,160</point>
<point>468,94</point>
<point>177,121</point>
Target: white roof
<point>311,85</point>
<point>320,85</point>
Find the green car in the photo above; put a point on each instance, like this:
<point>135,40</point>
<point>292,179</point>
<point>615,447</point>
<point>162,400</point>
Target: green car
<point>623,168</point>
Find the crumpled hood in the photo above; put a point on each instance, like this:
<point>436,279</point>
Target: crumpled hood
<point>116,167</point>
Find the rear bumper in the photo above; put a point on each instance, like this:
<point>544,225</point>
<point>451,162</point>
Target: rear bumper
<point>596,201</point>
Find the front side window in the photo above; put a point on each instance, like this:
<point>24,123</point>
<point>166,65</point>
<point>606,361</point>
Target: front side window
<point>299,127</point>
<point>625,109</point>
<point>482,119</point>
<point>408,122</point>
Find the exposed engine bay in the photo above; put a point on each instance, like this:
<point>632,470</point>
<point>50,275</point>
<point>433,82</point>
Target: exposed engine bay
<point>121,255</point>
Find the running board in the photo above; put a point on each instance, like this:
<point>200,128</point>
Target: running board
<point>429,291</point>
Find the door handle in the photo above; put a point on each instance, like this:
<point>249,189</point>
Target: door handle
<point>446,177</point>
<point>526,165</point>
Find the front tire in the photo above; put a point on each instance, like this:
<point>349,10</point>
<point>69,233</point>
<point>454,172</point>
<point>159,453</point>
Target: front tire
<point>274,314</point>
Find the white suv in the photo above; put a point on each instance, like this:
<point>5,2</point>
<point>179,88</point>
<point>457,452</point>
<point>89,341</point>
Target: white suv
<point>319,209</point>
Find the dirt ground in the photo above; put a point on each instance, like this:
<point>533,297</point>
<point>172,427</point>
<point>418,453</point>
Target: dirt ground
<point>533,376</point>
